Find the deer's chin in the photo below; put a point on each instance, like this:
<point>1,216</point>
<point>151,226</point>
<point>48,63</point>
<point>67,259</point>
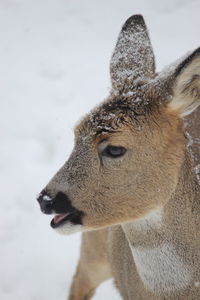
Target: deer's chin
<point>67,228</point>
<point>67,223</point>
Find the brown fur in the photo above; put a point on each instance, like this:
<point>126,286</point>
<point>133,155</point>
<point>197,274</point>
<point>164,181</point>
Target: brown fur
<point>119,196</point>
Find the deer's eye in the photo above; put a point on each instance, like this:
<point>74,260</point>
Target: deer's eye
<point>114,151</point>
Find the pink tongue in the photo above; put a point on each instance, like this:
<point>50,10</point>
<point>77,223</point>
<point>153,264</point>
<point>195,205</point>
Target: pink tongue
<point>59,218</point>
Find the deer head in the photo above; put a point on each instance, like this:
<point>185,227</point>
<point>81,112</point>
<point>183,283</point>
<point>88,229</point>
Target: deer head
<point>129,150</point>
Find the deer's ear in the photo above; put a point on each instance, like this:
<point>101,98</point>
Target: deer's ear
<point>133,55</point>
<point>186,86</point>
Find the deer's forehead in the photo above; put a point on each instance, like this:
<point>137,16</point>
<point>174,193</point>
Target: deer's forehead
<point>131,109</point>
<point>96,127</point>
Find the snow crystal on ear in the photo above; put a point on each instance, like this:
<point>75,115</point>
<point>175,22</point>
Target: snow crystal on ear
<point>166,77</point>
<point>197,172</point>
<point>133,55</point>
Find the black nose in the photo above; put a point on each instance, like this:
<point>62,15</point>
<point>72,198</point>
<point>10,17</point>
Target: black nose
<point>59,204</point>
<point>46,203</point>
<point>62,204</point>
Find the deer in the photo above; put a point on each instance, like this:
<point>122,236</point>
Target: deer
<point>129,184</point>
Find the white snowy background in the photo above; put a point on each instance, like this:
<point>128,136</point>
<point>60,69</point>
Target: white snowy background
<point>54,58</point>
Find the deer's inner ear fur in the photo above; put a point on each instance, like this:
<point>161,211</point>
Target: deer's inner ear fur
<point>186,88</point>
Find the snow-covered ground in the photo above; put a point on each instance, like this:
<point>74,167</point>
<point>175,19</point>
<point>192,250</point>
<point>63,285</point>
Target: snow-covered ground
<point>54,58</point>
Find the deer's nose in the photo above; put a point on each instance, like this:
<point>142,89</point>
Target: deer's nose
<point>45,202</point>
<point>59,204</point>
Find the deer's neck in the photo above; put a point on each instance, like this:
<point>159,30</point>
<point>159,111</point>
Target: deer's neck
<point>162,241</point>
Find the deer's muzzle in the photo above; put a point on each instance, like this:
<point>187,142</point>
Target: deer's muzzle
<point>61,206</point>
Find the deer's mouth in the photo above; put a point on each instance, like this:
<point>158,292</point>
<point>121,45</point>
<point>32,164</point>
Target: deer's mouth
<point>60,219</point>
